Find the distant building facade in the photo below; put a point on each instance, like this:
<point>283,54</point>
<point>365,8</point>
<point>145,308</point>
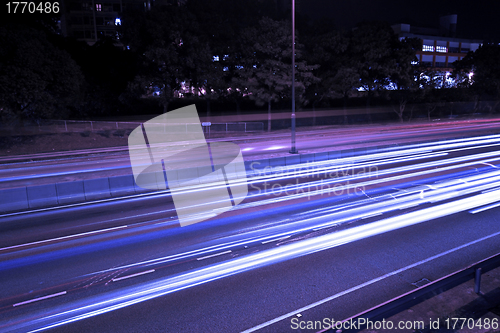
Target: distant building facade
<point>88,20</point>
<point>440,46</point>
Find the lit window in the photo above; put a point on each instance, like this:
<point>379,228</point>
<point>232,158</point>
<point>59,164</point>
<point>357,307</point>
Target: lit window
<point>118,21</point>
<point>98,7</point>
<point>428,48</point>
<point>225,56</point>
<point>414,62</point>
<point>441,48</point>
<point>225,69</point>
<point>216,58</point>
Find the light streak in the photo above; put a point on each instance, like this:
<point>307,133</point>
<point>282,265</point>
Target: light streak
<point>214,255</point>
<point>61,238</point>
<point>296,169</point>
<point>274,148</point>
<point>150,290</point>
<point>482,209</point>
<point>40,298</point>
<point>132,275</point>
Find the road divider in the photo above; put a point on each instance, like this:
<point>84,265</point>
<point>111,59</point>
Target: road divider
<point>42,196</point>
<point>72,192</point>
<point>96,189</point>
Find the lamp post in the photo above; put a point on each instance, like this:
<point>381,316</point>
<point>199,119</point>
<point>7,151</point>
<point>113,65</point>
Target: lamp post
<point>293,150</point>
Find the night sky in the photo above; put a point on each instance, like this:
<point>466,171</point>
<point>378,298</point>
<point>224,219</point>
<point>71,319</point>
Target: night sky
<point>479,22</point>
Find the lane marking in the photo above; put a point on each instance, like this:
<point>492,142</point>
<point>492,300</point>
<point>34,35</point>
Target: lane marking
<point>214,255</point>
<point>491,165</point>
<point>371,215</point>
<point>478,210</point>
<point>333,224</point>
<point>362,285</point>
<point>62,238</point>
<point>132,275</point>
<point>491,190</point>
<point>40,298</point>
<point>372,157</point>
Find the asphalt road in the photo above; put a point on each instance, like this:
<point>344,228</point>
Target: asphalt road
<point>343,276</point>
<point>274,255</point>
<point>22,171</point>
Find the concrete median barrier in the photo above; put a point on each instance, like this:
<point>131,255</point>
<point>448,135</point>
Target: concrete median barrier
<point>258,165</point>
<point>34,197</point>
<point>292,159</point>
<point>277,161</point>
<point>121,185</point>
<point>70,192</point>
<point>42,196</point>
<point>187,174</point>
<point>318,157</point>
<point>13,199</point>
<point>151,179</point>
<point>306,158</point>
<point>346,153</point>
<point>333,155</point>
<point>96,189</point>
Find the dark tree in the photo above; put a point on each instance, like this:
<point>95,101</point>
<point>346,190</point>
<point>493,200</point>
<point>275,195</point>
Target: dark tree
<point>372,50</point>
<point>267,68</point>
<point>108,69</point>
<point>480,72</point>
<point>406,74</point>
<point>337,68</point>
<point>174,57</point>
<point>221,24</point>
<point>37,79</point>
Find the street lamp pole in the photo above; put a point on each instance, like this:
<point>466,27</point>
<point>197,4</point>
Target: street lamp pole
<point>293,150</point>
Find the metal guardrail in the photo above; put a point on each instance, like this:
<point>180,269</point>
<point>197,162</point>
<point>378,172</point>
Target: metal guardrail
<point>414,297</point>
<point>94,126</point>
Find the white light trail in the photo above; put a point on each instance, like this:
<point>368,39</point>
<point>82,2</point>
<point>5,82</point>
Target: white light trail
<point>482,209</point>
<point>150,290</point>
<point>133,275</point>
<point>83,234</point>
<point>328,165</point>
<point>274,148</point>
<point>214,255</point>
<point>40,298</point>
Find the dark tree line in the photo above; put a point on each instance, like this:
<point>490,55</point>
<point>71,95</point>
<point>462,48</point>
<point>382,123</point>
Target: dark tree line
<point>46,76</point>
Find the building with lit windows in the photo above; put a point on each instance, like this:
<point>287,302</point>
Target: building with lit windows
<point>440,46</point>
<point>88,20</point>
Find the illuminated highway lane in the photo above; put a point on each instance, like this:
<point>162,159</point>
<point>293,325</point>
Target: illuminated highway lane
<point>85,273</point>
<point>334,283</point>
<point>115,161</point>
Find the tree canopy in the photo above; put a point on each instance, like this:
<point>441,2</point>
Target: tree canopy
<point>37,80</point>
<point>219,51</point>
<point>484,63</point>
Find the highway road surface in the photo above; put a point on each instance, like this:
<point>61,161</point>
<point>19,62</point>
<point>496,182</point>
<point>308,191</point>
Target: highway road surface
<point>310,241</point>
<point>48,168</point>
